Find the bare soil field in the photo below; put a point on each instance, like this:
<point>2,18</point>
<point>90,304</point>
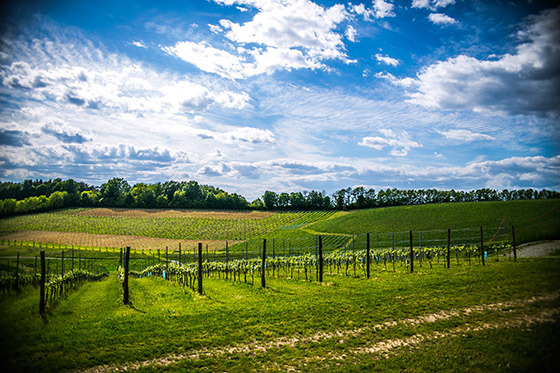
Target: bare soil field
<point>147,213</point>
<point>105,240</point>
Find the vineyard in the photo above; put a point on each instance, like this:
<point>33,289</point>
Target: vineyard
<point>194,273</point>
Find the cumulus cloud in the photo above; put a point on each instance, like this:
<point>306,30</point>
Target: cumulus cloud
<point>283,35</point>
<point>401,143</point>
<point>465,135</point>
<point>527,81</point>
<point>383,9</point>
<point>65,133</point>
<point>379,9</point>
<point>441,19</point>
<point>431,4</point>
<point>387,60</point>
<point>208,59</point>
<point>219,169</point>
<point>351,33</point>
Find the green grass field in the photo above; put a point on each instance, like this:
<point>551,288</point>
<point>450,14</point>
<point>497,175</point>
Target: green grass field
<point>534,220</point>
<point>503,316</point>
<point>393,321</point>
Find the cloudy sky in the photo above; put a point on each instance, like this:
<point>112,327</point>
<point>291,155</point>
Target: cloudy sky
<point>283,95</point>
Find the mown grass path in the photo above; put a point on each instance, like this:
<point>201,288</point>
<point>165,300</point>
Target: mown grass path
<point>512,314</point>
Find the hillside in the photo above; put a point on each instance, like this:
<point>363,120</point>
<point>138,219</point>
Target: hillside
<point>537,219</point>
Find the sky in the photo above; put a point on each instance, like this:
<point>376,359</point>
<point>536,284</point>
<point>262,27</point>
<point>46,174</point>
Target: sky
<point>282,95</point>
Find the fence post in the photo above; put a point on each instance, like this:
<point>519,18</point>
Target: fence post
<point>320,258</point>
<point>411,254</point>
<point>513,242</point>
<point>62,270</point>
<point>263,280</point>
<point>317,265</point>
<point>16,284</point>
<point>367,255</point>
<point>166,264</point>
<point>448,247</point>
<point>43,280</point>
<point>125,282</point>
<point>482,245</point>
<point>227,259</point>
<point>200,268</point>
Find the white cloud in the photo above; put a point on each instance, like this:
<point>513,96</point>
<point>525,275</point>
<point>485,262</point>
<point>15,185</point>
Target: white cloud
<point>405,82</point>
<point>527,81</point>
<point>380,9</point>
<point>351,33</point>
<point>77,74</point>
<point>441,19</point>
<point>139,44</point>
<point>431,4</point>
<point>240,135</point>
<point>465,135</point>
<point>208,58</point>
<point>383,9</point>
<point>401,144</point>
<point>283,35</point>
<point>387,60</point>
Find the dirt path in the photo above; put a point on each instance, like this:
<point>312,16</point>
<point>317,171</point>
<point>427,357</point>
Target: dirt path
<point>537,249</point>
<point>378,348</point>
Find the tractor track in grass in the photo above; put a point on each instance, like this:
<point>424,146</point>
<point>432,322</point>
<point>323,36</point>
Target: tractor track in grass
<point>378,348</point>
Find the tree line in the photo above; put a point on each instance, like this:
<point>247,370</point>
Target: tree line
<point>38,195</point>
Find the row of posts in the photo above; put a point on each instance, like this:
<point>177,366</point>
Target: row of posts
<point>320,259</point>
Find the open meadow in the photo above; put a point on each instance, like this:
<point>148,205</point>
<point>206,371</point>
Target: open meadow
<point>435,300</point>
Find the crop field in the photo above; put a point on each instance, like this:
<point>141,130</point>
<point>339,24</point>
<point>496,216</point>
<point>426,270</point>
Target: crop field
<point>439,290</point>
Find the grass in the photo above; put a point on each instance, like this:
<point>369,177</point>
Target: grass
<point>533,220</point>
<point>90,326</point>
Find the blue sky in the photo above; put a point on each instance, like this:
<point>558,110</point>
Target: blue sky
<point>282,95</point>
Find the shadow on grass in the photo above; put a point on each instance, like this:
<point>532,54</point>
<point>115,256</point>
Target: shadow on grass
<point>132,307</point>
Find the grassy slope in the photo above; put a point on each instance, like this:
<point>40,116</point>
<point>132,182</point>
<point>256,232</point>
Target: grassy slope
<point>90,326</point>
<point>527,216</point>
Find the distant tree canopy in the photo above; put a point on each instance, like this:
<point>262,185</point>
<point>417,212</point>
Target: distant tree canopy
<point>38,195</point>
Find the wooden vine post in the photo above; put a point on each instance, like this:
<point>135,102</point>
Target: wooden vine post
<point>125,282</point>
<point>200,268</point>
<point>513,243</point>
<point>482,245</point>
<point>16,284</point>
<point>448,248</point>
<point>263,280</point>
<point>320,259</point>
<point>166,264</point>
<point>43,281</point>
<point>367,256</point>
<point>411,253</point>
